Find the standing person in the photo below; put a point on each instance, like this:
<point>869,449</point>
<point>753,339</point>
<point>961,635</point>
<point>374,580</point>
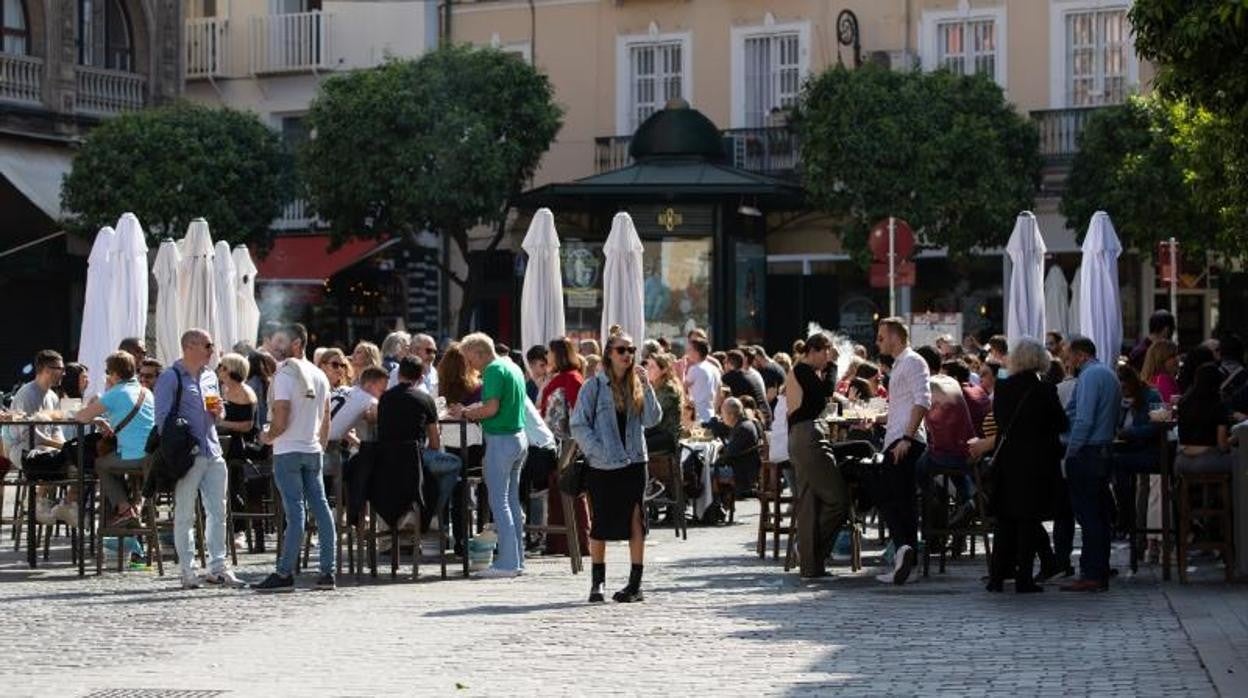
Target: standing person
<point>501,414</point>
<point>1093,415</point>
<point>905,440</point>
<point>1160,326</point>
<point>1026,468</point>
<point>298,431</point>
<point>702,379</point>
<point>998,349</point>
<point>1161,367</point>
<point>558,399</point>
<point>822,498</point>
<point>589,347</point>
<point>537,359</point>
<point>267,330</point>
<point>202,407</point>
<point>458,381</point>
<point>609,423</point>
<point>149,371</point>
<point>134,347</point>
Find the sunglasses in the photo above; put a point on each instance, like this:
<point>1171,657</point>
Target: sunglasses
<point>337,364</point>
<point>626,350</point>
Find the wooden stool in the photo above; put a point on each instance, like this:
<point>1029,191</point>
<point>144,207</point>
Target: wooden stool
<point>774,504</point>
<point>973,525</point>
<point>147,528</point>
<point>570,529</point>
<point>1214,491</point>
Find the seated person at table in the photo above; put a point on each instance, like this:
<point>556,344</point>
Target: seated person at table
<point>353,418</point>
<point>1135,451</point>
<point>743,380</point>
<point>740,455</point>
<point>130,411</point>
<point>949,427</point>
<point>39,395</point>
<point>662,437</point>
<point>406,413</point>
<point>1204,426</point>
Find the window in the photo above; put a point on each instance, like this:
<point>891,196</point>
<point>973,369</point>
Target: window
<point>14,32</point>
<point>294,131</point>
<point>656,76</point>
<point>118,48</point>
<point>772,76</point>
<point>967,47</point>
<point>1097,54</point>
<point>106,20</point>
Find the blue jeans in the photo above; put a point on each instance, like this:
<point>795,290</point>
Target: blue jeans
<point>298,479</point>
<point>1087,476</point>
<point>504,459</point>
<point>445,468</point>
<point>929,460</point>
<point>206,479</point>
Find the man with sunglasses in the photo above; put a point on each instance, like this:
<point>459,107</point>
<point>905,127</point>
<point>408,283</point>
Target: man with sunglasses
<point>424,348</point>
<point>149,372</point>
<point>34,397</point>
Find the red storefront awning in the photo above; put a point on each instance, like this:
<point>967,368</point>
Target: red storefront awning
<point>306,259</point>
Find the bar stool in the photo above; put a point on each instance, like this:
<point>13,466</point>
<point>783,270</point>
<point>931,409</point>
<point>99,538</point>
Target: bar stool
<point>1214,492</point>
<point>570,529</point>
<point>934,532</point>
<point>774,506</point>
<point>147,528</point>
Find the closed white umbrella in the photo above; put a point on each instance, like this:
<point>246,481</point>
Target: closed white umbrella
<point>1072,317</point>
<point>95,340</point>
<point>1025,316</point>
<point>541,299</point>
<point>248,313</point>
<point>227,297</point>
<point>169,325</point>
<point>623,286</point>
<point>198,284</point>
<point>1100,311</point>
<point>128,294</point>
<point>1056,300</point>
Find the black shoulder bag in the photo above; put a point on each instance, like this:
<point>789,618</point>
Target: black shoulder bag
<point>173,445</point>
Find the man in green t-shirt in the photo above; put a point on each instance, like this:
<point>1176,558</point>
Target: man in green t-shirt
<point>501,414</point>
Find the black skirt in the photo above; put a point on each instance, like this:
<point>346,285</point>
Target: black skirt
<point>613,497</point>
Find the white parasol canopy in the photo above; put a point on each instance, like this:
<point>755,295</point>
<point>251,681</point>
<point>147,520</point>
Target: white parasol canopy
<point>95,340</point>
<point>1056,300</point>
<point>541,299</point>
<point>1072,317</point>
<point>248,313</point>
<point>623,286</point>
<point>197,280</point>
<point>227,297</point>
<point>1025,316</point>
<point>1100,311</point>
<point>128,290</point>
<point>169,325</point>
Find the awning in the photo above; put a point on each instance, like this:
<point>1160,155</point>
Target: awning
<point>36,170</point>
<point>306,259</point>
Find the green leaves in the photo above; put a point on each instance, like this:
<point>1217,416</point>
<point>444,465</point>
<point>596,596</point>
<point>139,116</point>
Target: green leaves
<point>439,143</point>
<point>944,152</point>
<point>172,164</point>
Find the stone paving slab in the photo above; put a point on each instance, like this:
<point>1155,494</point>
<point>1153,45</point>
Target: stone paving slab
<point>716,619</point>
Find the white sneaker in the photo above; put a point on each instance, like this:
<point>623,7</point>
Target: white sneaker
<point>191,581</point>
<point>66,512</point>
<point>225,578</point>
<point>903,564</point>
<point>496,573</point>
<point>43,512</point>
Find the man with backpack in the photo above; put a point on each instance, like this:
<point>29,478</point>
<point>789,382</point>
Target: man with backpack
<point>188,399</point>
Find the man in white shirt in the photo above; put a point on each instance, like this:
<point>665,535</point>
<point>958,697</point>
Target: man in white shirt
<point>702,379</point>
<point>358,412</point>
<point>424,348</point>
<point>909,398</point>
<point>298,431</point>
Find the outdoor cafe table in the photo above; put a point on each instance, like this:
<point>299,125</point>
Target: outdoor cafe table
<point>32,543</point>
<point>465,522</point>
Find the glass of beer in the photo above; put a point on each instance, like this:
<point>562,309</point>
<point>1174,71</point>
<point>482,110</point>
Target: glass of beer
<point>212,402</point>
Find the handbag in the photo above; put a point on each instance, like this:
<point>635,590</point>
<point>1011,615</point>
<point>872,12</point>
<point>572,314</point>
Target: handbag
<point>108,443</point>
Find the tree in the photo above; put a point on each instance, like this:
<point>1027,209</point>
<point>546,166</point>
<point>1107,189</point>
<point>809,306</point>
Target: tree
<point>1201,51</point>
<point>172,164</point>
<point>945,152</point>
<point>441,143</point>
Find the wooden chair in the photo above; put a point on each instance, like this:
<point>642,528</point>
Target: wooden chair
<point>147,530</point>
<point>664,466</point>
<point>936,499</point>
<point>774,506</point>
<point>570,529</point>
<point>1214,492</point>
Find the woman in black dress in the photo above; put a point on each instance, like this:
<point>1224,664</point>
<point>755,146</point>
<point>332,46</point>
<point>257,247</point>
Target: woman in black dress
<point>239,426</point>
<point>1026,466</point>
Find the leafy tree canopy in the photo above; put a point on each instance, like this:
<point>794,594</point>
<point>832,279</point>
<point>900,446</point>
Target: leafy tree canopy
<point>945,152</point>
<point>440,143</point>
<point>172,164</point>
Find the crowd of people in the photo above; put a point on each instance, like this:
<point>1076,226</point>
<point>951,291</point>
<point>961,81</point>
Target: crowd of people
<point>1066,426</point>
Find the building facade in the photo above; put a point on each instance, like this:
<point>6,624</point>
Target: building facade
<point>65,65</point>
<point>270,57</point>
<point>743,62</point>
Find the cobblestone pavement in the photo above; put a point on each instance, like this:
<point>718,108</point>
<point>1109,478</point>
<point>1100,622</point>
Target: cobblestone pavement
<point>716,619</point>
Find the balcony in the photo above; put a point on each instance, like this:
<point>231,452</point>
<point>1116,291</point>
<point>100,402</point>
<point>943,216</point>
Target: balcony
<point>773,151</point>
<point>1059,142</point>
<point>104,92</point>
<point>205,47</point>
<point>296,216</point>
<point>21,79</point>
<point>289,43</point>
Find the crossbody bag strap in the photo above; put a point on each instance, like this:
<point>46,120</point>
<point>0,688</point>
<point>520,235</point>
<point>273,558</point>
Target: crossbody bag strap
<point>138,404</point>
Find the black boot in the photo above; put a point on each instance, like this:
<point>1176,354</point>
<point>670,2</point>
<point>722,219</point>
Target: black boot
<point>598,579</point>
<point>632,592</point>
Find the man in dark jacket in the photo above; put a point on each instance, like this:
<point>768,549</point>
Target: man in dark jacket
<point>743,380</point>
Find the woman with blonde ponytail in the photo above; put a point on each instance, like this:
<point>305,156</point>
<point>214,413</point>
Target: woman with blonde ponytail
<point>609,421</point>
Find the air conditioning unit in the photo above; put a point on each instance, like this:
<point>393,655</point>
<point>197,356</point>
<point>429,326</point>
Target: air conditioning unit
<point>904,61</point>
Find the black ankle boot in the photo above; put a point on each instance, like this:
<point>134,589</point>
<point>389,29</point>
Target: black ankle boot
<point>598,578</point>
<point>632,592</point>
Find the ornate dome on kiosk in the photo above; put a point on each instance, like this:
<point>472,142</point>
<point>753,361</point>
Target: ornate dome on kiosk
<point>677,130</point>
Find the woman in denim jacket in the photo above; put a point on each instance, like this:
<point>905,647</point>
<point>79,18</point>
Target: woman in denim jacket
<point>609,421</point>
